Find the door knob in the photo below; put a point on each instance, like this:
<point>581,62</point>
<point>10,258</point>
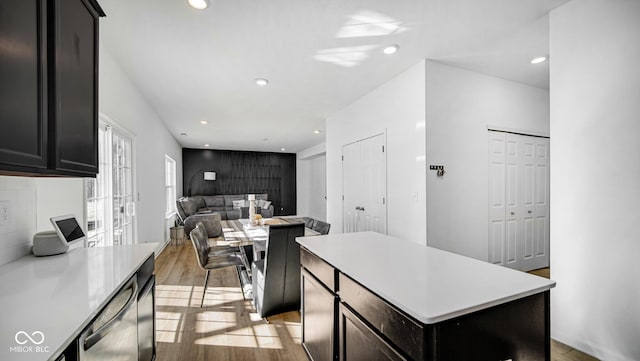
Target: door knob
<point>529,212</point>
<point>513,213</point>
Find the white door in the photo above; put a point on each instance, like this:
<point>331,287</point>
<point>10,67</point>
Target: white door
<point>109,196</point>
<point>364,170</point>
<point>518,200</point>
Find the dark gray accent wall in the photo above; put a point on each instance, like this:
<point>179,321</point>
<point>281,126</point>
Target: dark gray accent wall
<point>239,172</point>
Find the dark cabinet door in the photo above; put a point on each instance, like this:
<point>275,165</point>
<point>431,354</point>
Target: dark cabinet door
<point>319,309</point>
<point>23,84</point>
<point>74,104</point>
<point>358,342</point>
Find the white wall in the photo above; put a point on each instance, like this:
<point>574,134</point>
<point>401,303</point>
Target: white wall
<point>59,196</point>
<point>17,235</point>
<point>460,105</point>
<point>121,101</point>
<point>32,202</point>
<point>595,177</point>
<point>396,108</point>
<point>311,182</point>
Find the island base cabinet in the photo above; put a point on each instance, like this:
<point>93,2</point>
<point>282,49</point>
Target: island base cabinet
<point>358,342</point>
<point>319,310</point>
<point>517,330</point>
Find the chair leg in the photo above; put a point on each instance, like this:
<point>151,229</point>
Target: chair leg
<point>204,291</point>
<point>238,270</point>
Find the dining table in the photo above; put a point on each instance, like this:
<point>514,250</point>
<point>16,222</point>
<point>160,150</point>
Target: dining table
<point>252,241</point>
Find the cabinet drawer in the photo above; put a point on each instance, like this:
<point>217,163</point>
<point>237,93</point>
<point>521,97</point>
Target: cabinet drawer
<point>319,268</point>
<point>404,332</point>
<point>359,342</point>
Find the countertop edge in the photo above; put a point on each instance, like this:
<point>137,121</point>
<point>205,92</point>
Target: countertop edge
<point>484,306</point>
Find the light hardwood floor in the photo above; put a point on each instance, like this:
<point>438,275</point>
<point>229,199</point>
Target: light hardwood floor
<point>227,327</point>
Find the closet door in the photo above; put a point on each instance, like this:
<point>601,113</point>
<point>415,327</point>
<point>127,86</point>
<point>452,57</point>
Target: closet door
<point>497,192</point>
<point>518,200</point>
<point>537,249</point>
<point>364,172</point>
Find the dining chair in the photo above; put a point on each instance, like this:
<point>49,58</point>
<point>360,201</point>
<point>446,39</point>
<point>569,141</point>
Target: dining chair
<point>309,222</point>
<point>276,278</point>
<point>210,258</point>
<point>321,227</point>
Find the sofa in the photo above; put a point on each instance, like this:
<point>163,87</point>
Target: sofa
<point>228,206</point>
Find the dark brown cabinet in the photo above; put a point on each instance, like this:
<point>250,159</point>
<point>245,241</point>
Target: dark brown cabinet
<point>344,320</point>
<point>319,308</point>
<point>319,323</point>
<point>358,342</point>
<point>49,92</point>
<point>23,84</point>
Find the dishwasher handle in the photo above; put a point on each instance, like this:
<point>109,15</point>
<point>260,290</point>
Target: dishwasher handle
<point>104,330</point>
<point>147,287</point>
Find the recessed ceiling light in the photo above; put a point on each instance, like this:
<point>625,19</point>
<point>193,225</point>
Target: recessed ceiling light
<point>316,131</point>
<point>206,145</point>
<point>262,81</point>
<point>391,49</point>
<point>282,149</point>
<point>199,4</point>
<point>204,122</point>
<point>538,60</point>
<point>183,134</point>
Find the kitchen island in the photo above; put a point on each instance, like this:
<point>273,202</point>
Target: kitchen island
<point>46,303</point>
<point>375,297</point>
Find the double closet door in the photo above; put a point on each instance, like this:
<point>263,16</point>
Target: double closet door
<point>518,200</point>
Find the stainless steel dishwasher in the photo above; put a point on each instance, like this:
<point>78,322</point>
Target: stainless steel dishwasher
<point>113,335</point>
<point>146,321</point>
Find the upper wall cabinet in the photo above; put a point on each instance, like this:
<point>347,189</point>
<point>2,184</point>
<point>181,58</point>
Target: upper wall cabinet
<point>49,87</point>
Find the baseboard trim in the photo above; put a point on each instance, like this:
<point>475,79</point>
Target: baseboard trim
<point>590,348</point>
<point>161,249</point>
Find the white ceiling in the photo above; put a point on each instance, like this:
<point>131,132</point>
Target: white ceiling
<point>319,56</point>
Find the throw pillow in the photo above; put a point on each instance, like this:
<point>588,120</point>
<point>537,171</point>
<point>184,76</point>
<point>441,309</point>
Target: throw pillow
<point>259,202</point>
<point>266,204</point>
<point>238,204</point>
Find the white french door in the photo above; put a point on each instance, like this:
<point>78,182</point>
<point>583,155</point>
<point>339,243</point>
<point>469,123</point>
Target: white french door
<point>110,201</point>
<point>518,200</point>
<point>364,172</point>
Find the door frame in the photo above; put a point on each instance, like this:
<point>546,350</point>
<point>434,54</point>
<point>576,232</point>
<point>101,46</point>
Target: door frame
<point>105,120</point>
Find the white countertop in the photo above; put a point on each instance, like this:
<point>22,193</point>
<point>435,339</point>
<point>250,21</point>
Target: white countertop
<point>429,284</point>
<point>59,295</point>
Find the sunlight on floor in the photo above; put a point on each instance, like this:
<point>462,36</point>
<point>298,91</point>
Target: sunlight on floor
<point>295,331</point>
<point>228,333</point>
<point>169,326</point>
<point>217,323</point>
<point>174,295</point>
<point>257,336</point>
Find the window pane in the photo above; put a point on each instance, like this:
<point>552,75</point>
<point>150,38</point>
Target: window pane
<point>90,185</point>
